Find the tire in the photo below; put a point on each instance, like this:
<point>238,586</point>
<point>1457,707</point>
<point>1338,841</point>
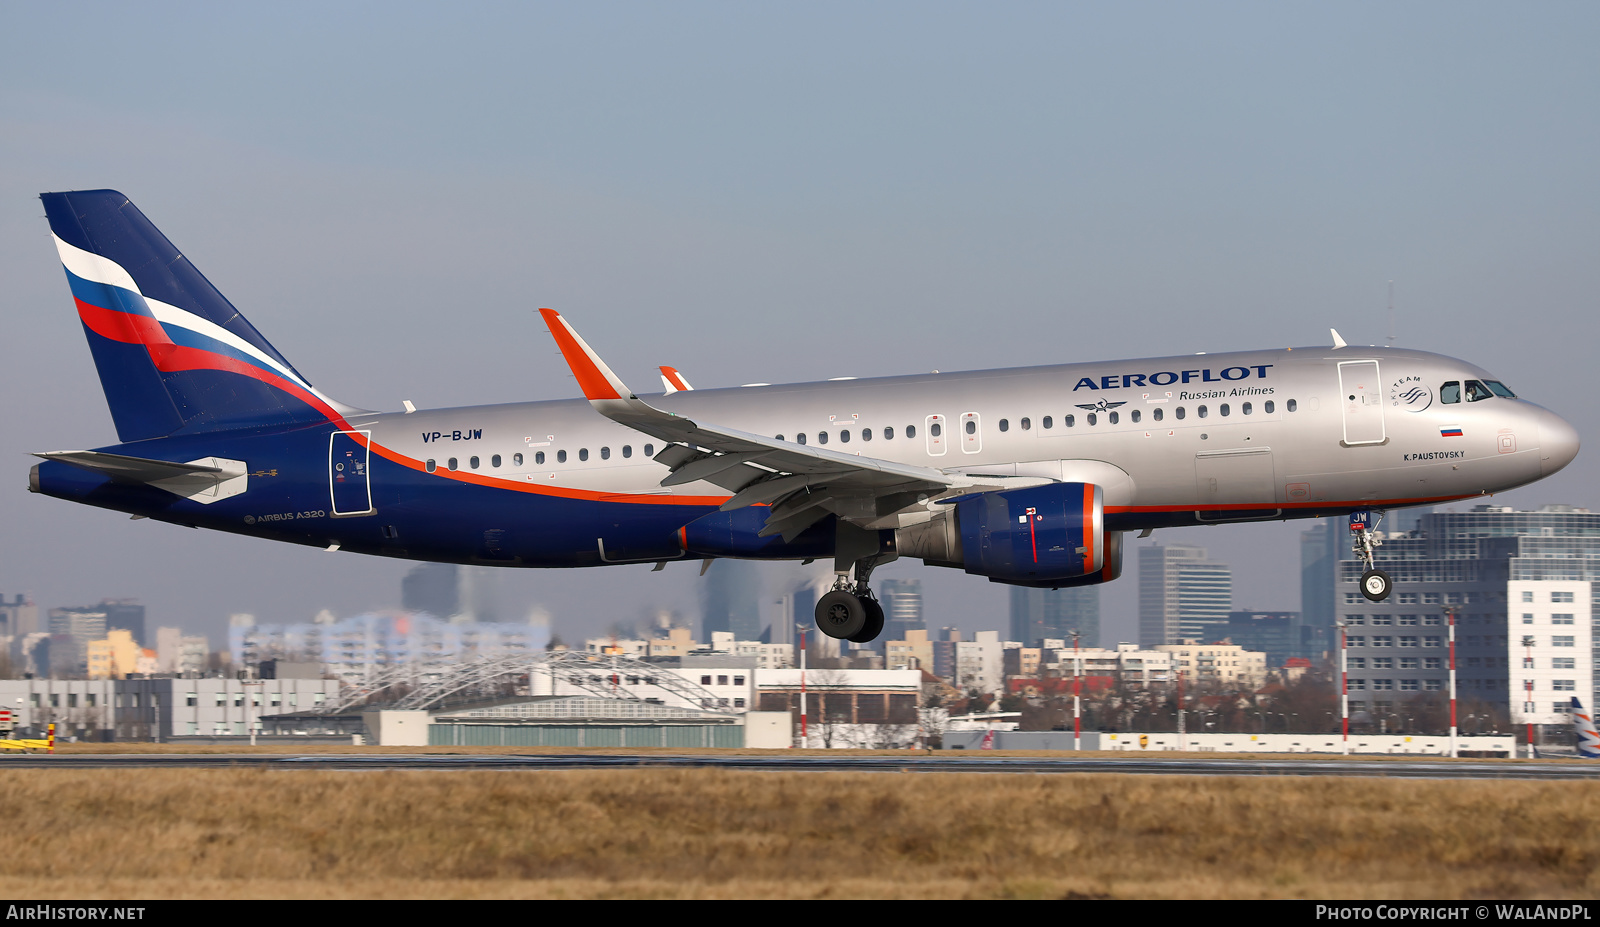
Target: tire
<point>840,615</point>
<point>874,624</point>
<point>1376,585</point>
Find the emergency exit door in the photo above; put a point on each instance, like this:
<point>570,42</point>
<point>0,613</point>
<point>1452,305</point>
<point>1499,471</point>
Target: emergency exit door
<point>1361,398</point>
<point>348,481</point>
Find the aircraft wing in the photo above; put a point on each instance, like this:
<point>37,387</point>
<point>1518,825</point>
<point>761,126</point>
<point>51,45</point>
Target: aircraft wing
<point>803,484</point>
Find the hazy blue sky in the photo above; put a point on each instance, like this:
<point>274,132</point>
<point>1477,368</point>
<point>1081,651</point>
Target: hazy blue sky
<point>783,192</point>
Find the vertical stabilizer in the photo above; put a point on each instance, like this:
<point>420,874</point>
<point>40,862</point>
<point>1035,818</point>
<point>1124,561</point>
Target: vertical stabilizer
<point>173,354</point>
<point>1583,729</point>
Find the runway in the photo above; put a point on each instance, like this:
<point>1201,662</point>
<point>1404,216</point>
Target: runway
<point>1392,769</point>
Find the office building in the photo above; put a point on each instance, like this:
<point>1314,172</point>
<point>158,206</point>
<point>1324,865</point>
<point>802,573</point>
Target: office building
<point>1522,584</point>
<point>1037,614</point>
<point>1182,595</point>
<point>1271,633</point>
<point>902,608</point>
<point>730,597</point>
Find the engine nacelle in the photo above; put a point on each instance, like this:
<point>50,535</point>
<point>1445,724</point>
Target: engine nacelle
<point>1051,535</point>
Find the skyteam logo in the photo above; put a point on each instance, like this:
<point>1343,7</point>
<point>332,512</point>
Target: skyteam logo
<point>1410,394</point>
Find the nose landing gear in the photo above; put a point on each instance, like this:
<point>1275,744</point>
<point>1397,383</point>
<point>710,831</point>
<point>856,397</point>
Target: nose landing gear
<point>1375,583</point>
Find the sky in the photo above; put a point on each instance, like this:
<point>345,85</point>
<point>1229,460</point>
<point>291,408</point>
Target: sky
<point>783,192</point>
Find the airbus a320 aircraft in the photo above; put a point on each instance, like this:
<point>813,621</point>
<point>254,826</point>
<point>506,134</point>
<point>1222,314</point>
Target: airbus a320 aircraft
<point>1030,476</point>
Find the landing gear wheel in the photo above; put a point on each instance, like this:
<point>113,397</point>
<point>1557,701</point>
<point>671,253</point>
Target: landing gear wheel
<point>874,623</point>
<point>841,614</point>
<point>1375,585</point>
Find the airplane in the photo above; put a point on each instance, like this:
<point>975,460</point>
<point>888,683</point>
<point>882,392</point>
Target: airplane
<point>1029,476</point>
<point>1583,731</point>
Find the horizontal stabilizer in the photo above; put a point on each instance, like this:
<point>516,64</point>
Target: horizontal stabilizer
<point>205,480</point>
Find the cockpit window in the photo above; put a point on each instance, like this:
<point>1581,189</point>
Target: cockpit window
<point>1476,391</point>
<point>1499,389</point>
<point>1450,392</point>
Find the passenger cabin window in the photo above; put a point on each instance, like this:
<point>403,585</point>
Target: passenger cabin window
<point>1476,391</point>
<point>1267,407</point>
<point>1092,419</point>
<point>432,465</point>
<point>472,462</point>
<point>1113,417</point>
<point>972,427</point>
<point>844,437</point>
<point>1450,392</point>
<point>650,450</point>
<point>605,453</point>
<point>888,432</point>
<point>1027,424</point>
<point>1291,405</point>
<point>1179,413</point>
<point>1245,408</point>
<point>1136,416</point>
<point>822,437</point>
<point>451,463</point>
<point>1067,421</point>
<point>866,434</point>
<point>538,457</point>
<point>1201,412</point>
<point>1047,422</point>
<point>583,453</point>
<point>911,431</point>
<point>1158,415</point>
<point>935,429</point>
<point>800,438</point>
<point>561,456</point>
<point>494,461</point>
<point>627,450</point>
<point>1223,410</point>
<point>1005,425</point>
<point>516,460</point>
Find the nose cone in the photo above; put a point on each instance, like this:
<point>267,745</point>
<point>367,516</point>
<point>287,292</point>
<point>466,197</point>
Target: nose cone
<point>1558,442</point>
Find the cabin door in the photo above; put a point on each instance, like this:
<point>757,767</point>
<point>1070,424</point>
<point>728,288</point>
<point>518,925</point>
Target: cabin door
<point>348,479</point>
<point>1361,398</point>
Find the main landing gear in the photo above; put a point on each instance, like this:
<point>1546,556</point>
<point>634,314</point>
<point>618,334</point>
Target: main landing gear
<point>1375,584</point>
<point>850,611</point>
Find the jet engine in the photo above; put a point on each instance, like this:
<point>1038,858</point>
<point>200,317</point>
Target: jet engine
<point>1049,536</point>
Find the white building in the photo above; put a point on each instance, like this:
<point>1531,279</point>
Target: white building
<point>980,663</point>
<point>1229,666</point>
<point>1548,649</point>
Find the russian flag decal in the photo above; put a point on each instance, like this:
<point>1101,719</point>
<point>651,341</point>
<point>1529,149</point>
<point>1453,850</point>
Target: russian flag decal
<point>1450,431</point>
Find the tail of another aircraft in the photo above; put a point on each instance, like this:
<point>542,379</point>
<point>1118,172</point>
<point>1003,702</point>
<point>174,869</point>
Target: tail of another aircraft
<point>174,356</point>
<point>1583,729</point>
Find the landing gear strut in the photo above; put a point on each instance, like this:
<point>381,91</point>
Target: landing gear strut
<point>1375,583</point>
<point>851,612</point>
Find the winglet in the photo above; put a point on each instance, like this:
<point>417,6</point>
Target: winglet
<point>594,377</point>
<point>674,381</point>
<point>1337,341</point>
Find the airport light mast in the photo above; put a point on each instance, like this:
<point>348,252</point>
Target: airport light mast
<point>1450,618</point>
<point>802,629</point>
<point>1344,688</point>
<point>1077,673</point>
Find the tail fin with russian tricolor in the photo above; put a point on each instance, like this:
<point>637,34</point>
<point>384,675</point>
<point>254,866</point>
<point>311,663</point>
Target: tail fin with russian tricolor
<point>174,356</point>
<point>1583,729</point>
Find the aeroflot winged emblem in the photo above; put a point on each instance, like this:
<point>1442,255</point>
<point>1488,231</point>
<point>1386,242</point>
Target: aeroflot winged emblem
<point>1100,406</point>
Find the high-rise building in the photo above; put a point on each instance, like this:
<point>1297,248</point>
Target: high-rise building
<point>71,630</point>
<point>1322,546</point>
<point>126,615</point>
<point>1037,614</point>
<point>730,600</point>
<point>1524,587</point>
<point>902,608</point>
<point>1182,595</point>
<point>1271,633</point>
<point>18,617</point>
<point>432,589</point>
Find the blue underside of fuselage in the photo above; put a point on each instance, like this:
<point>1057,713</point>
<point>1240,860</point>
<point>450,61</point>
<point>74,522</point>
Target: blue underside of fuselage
<point>422,516</point>
<point>416,515</point>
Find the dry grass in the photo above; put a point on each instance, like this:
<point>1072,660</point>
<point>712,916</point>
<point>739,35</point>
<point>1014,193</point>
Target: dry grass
<point>234,833</point>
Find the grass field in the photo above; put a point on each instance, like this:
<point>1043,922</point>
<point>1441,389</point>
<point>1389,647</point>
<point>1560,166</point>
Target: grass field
<point>239,833</point>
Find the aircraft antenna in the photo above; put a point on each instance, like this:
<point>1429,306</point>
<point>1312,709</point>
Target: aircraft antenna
<point>1391,313</point>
